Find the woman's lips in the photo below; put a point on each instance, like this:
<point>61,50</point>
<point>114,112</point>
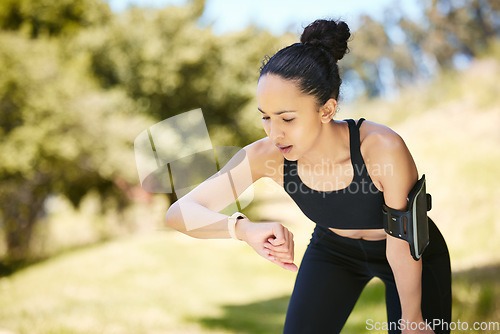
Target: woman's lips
<point>285,149</point>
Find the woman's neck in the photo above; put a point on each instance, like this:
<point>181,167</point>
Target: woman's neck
<point>331,145</point>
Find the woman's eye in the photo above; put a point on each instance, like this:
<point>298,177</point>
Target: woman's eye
<point>265,118</point>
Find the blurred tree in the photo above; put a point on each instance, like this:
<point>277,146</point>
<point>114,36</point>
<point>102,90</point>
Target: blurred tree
<point>369,45</point>
<point>59,134</point>
<point>179,66</point>
<point>454,28</point>
<point>447,30</point>
<point>66,100</point>
<point>52,17</point>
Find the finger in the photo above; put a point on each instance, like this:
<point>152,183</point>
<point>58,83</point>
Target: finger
<point>291,245</point>
<point>279,256</point>
<point>284,253</point>
<point>284,257</point>
<point>275,241</point>
<point>288,266</point>
<point>282,238</point>
<point>288,247</point>
<point>279,235</point>
<point>280,249</point>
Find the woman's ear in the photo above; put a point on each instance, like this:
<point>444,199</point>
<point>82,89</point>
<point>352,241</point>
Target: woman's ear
<point>327,111</point>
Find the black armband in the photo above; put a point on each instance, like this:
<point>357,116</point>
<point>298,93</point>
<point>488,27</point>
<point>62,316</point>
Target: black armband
<point>411,225</point>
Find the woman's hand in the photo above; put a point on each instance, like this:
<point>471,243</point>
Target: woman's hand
<point>272,241</point>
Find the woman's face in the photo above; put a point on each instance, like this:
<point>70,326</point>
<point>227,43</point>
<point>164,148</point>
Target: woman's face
<point>290,118</point>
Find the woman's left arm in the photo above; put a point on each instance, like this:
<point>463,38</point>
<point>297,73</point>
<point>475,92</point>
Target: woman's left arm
<point>386,151</point>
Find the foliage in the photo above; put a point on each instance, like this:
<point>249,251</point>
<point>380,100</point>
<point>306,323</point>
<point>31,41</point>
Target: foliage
<point>52,17</point>
<point>53,121</point>
<point>79,84</point>
<point>411,50</point>
<point>179,66</point>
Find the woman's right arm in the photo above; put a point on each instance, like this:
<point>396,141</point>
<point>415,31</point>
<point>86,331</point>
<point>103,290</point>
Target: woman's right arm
<point>197,213</point>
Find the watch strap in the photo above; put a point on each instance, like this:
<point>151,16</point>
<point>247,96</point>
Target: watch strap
<point>231,224</point>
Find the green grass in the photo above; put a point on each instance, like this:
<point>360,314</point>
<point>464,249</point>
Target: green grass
<point>162,283</point>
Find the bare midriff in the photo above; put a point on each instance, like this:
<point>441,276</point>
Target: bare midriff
<point>371,235</point>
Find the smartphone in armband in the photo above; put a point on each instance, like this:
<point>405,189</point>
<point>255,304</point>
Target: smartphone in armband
<point>411,225</point>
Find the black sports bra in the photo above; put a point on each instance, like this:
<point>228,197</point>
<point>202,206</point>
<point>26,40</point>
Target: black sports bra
<point>358,206</point>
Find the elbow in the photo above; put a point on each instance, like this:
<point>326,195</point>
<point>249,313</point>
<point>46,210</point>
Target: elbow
<point>398,253</point>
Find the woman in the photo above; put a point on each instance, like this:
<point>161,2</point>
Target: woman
<point>339,173</point>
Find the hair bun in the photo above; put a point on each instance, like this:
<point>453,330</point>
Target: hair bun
<point>328,34</point>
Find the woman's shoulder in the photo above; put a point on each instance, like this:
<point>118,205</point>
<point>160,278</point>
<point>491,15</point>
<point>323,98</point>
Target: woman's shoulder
<point>387,158</point>
<point>264,157</point>
<point>379,138</point>
<point>384,150</point>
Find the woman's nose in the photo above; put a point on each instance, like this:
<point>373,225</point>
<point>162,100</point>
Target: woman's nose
<point>275,132</point>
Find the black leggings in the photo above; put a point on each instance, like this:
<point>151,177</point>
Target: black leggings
<point>335,269</point>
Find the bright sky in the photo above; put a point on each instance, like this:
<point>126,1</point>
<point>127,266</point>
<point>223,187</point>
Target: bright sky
<point>279,16</point>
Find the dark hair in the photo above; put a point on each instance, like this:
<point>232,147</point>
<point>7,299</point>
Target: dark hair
<point>312,63</point>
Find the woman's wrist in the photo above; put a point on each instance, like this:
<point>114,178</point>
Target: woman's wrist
<point>241,228</point>
<point>415,318</point>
